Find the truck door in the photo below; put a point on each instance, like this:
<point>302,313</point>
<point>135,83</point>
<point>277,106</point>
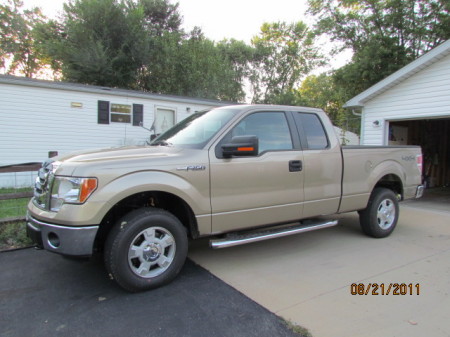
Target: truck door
<point>322,166</point>
<point>262,189</point>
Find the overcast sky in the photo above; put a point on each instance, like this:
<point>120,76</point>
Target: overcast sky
<point>239,19</point>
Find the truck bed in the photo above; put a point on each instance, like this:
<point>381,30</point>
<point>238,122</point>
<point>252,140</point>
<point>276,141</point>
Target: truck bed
<point>364,166</point>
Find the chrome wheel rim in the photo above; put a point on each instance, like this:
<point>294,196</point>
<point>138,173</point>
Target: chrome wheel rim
<point>151,252</point>
<point>386,214</point>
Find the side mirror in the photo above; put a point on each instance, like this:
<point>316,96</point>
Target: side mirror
<point>241,146</point>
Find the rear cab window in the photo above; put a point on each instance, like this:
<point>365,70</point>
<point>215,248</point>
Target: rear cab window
<point>312,133</point>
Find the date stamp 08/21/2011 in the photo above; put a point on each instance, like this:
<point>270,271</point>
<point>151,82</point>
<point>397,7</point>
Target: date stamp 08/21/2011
<point>377,289</point>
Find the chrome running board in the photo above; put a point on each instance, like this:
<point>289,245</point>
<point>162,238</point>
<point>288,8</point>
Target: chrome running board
<point>236,239</point>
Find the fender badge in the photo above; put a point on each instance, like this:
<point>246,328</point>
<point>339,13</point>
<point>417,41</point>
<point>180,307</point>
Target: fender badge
<point>192,168</point>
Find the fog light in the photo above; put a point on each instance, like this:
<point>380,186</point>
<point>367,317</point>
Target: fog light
<point>53,240</point>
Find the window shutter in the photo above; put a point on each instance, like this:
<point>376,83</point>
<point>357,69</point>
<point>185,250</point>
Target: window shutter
<point>138,114</point>
<point>103,112</point>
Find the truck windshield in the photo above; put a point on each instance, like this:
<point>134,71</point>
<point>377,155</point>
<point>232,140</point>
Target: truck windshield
<point>196,130</point>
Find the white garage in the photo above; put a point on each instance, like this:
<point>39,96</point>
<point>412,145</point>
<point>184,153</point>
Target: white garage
<point>412,107</point>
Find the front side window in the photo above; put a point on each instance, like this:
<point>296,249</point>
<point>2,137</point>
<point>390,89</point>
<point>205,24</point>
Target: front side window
<point>120,113</point>
<point>271,128</point>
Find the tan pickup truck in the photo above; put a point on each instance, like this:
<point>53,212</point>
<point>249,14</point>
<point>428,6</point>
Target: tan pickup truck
<point>237,174</point>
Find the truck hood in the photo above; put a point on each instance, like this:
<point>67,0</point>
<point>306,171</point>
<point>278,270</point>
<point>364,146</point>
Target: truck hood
<point>122,153</point>
<point>88,163</point>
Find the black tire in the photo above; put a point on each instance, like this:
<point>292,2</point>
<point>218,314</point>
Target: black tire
<point>146,249</point>
<point>380,217</point>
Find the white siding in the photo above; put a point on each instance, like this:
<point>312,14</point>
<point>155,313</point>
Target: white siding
<point>35,120</point>
<point>424,95</point>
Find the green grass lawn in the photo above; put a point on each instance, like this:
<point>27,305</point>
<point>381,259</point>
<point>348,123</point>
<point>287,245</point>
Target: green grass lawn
<point>13,208</point>
<point>13,234</point>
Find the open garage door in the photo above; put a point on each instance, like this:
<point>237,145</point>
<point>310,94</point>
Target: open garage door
<point>433,135</point>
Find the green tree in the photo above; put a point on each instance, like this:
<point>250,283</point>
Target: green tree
<point>383,35</point>
<point>140,45</point>
<point>159,16</point>
<point>322,91</point>
<point>369,65</point>
<point>205,72</point>
<point>238,56</point>
<point>100,43</point>
<point>18,52</point>
<point>195,66</point>
<point>107,42</point>
<point>48,42</point>
<point>284,53</point>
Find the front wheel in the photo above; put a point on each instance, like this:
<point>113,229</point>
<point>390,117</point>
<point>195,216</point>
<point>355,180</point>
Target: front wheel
<point>146,249</point>
<point>380,217</point>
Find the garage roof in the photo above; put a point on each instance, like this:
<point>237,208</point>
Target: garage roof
<point>400,75</point>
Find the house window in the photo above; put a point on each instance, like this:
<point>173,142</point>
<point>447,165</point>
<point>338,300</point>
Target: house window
<point>120,113</point>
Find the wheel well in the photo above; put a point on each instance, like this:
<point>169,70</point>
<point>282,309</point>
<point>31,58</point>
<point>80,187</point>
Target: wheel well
<point>392,182</point>
<point>156,199</point>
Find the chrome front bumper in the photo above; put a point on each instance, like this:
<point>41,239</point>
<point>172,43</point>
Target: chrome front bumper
<point>65,240</point>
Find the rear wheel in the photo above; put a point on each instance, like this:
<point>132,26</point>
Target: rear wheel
<point>380,217</point>
<point>146,249</point>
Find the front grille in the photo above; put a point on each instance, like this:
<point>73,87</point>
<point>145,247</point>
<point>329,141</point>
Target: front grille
<point>43,185</point>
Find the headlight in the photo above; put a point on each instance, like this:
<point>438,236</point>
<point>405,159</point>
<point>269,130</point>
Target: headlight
<point>71,190</point>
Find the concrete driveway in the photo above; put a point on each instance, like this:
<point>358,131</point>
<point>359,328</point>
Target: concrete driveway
<point>307,278</point>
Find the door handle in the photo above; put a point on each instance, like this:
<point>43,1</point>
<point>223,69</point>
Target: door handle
<point>295,165</point>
